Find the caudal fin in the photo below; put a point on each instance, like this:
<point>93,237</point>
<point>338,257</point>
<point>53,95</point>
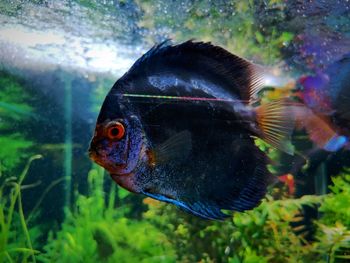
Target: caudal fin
<point>278,119</point>
<point>276,124</point>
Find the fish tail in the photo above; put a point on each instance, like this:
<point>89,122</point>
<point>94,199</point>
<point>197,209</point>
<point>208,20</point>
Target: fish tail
<point>319,128</point>
<point>279,118</point>
<point>276,124</point>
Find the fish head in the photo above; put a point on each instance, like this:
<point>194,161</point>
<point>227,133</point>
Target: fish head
<point>119,146</point>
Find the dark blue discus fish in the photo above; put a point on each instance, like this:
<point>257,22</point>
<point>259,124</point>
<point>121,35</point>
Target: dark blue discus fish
<point>179,127</point>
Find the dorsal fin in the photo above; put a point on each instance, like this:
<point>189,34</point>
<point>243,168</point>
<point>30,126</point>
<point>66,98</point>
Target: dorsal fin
<point>235,73</point>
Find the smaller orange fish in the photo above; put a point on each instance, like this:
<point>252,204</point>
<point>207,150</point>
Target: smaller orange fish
<point>288,180</point>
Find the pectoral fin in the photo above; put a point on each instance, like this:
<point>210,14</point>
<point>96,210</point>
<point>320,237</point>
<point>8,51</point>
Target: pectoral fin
<point>176,147</point>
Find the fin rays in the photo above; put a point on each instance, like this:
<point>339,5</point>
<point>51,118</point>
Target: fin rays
<point>177,146</point>
<point>246,77</point>
<point>276,123</point>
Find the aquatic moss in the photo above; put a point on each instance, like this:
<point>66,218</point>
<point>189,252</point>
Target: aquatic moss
<point>273,232</point>
<point>334,224</point>
<point>96,231</point>
<point>264,234</point>
<point>335,207</point>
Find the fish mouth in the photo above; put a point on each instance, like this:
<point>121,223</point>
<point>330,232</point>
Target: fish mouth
<point>113,169</point>
<point>125,166</point>
<point>93,155</point>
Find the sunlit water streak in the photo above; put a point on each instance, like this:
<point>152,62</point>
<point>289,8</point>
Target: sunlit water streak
<point>26,48</point>
<point>40,38</point>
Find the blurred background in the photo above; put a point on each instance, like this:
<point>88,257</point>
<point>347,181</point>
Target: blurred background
<point>58,60</point>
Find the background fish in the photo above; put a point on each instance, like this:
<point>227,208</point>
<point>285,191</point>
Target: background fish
<point>179,127</point>
<point>327,94</point>
<point>289,181</point>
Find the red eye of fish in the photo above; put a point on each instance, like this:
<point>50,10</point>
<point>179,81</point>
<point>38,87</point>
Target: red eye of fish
<point>115,131</point>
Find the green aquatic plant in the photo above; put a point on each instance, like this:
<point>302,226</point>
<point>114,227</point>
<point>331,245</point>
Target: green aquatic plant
<point>335,207</point>
<point>264,234</point>
<point>268,231</point>
<point>95,230</point>
<point>333,235</point>
<point>104,227</point>
<point>13,247</point>
<point>237,25</point>
<point>335,241</point>
<point>98,230</point>
<point>14,112</point>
